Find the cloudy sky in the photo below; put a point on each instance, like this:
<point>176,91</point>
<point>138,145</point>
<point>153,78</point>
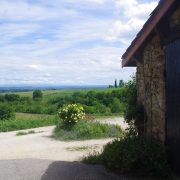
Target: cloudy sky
<point>70,42</point>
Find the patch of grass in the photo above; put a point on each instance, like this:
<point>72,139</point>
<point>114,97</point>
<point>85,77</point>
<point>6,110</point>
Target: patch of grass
<point>78,148</point>
<point>132,155</point>
<point>94,158</point>
<point>27,121</point>
<point>101,116</point>
<point>87,130</point>
<point>22,133</point>
<point>82,148</point>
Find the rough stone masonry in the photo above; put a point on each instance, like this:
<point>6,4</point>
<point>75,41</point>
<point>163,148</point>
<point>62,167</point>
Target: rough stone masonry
<point>151,83</point>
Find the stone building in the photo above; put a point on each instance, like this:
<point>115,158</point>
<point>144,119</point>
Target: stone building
<point>156,53</point>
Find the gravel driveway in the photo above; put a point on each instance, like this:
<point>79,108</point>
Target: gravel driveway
<point>39,157</point>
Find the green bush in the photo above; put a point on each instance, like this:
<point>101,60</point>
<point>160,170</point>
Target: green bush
<point>147,157</point>
<point>116,106</point>
<point>12,97</point>
<point>2,98</point>
<point>87,130</point>
<point>6,112</point>
<point>71,114</point>
<point>134,112</point>
<point>37,94</point>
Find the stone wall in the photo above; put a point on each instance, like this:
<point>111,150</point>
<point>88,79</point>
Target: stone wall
<point>151,83</point>
<point>151,88</point>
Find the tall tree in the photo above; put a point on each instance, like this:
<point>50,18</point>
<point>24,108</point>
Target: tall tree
<point>121,83</point>
<point>115,84</point>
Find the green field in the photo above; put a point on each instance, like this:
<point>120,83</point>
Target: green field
<point>58,93</point>
<point>105,102</point>
<point>27,121</point>
<point>31,112</point>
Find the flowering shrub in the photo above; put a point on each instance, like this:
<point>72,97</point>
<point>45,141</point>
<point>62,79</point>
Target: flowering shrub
<point>71,114</point>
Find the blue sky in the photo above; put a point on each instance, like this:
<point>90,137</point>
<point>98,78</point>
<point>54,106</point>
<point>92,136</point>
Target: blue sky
<point>69,42</point>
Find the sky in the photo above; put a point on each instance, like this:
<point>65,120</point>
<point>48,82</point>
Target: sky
<point>68,42</point>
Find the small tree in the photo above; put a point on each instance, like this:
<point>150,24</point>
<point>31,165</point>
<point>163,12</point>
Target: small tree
<point>37,94</point>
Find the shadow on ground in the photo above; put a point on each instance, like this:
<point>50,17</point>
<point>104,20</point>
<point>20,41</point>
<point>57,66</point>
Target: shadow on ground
<point>37,169</point>
<point>78,171</point>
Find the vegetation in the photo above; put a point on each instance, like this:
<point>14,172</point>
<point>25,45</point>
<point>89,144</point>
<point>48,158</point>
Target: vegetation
<point>73,126</point>
<point>6,112</point>
<point>121,84</point>
<point>134,112</point>
<point>71,114</point>
<point>135,155</point>
<point>86,130</point>
<point>94,101</point>
<point>27,121</point>
<point>22,133</point>
<point>37,94</point>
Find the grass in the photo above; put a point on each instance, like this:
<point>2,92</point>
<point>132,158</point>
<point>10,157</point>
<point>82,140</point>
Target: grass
<point>83,148</point>
<point>78,148</point>
<point>27,121</point>
<point>84,130</point>
<point>22,133</point>
<point>102,116</point>
<point>61,93</point>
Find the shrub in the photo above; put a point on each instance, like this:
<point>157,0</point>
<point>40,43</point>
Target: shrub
<point>6,112</point>
<point>87,130</point>
<point>147,157</point>
<point>71,114</point>
<point>134,112</point>
<point>2,99</point>
<point>12,97</point>
<point>116,106</point>
<point>37,94</point>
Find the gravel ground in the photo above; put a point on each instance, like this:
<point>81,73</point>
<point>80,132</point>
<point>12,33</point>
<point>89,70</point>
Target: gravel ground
<point>39,157</point>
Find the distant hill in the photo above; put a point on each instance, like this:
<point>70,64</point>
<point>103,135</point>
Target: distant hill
<point>26,88</point>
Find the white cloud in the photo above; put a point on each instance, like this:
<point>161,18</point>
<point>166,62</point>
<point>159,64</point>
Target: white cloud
<point>124,32</point>
<point>135,15</point>
<point>132,8</point>
<point>21,10</point>
<point>67,41</point>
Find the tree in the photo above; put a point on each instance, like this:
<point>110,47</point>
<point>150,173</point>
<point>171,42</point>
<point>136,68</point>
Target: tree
<point>115,84</point>
<point>121,83</point>
<point>6,112</point>
<point>37,94</point>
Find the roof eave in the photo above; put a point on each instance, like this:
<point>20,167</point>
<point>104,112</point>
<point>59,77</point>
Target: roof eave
<point>145,32</point>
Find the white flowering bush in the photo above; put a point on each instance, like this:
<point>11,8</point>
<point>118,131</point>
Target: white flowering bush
<point>71,114</point>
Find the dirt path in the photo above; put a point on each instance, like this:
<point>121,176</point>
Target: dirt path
<point>33,156</point>
<point>42,146</point>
